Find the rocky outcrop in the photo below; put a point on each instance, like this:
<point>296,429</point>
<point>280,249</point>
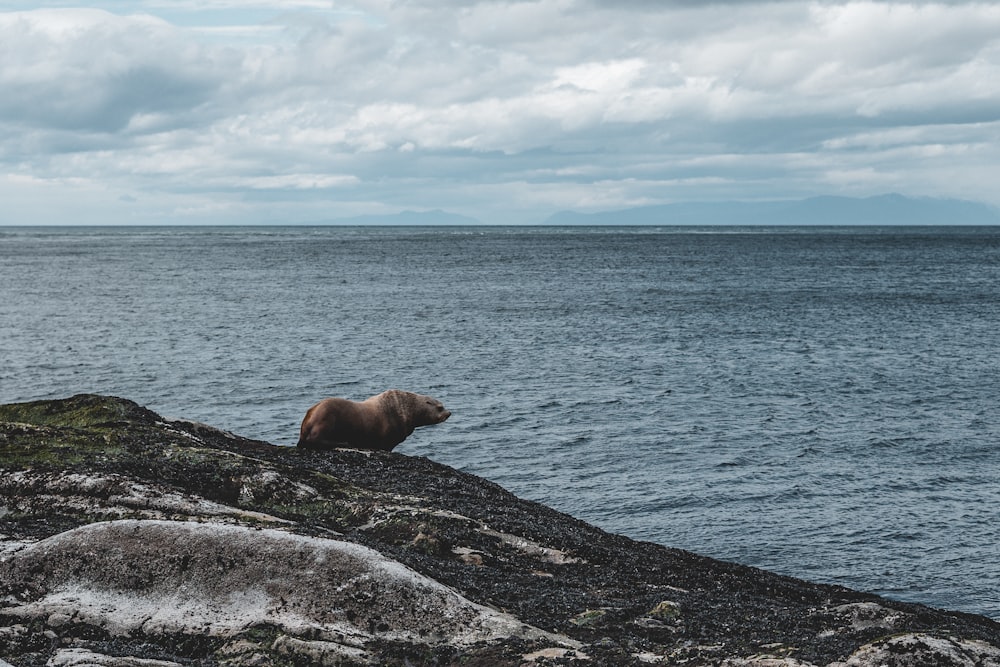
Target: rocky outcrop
<point>129,540</point>
<point>155,577</point>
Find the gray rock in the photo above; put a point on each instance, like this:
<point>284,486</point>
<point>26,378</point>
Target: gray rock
<point>163,577</point>
<point>81,657</point>
<point>921,650</point>
<point>869,615</point>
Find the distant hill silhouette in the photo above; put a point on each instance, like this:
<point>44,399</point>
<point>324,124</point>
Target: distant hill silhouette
<point>890,209</point>
<point>406,218</point>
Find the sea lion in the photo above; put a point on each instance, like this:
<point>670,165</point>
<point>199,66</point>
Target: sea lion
<point>380,422</point>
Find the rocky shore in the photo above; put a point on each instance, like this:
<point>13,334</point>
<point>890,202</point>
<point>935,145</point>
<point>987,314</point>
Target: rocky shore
<point>130,540</point>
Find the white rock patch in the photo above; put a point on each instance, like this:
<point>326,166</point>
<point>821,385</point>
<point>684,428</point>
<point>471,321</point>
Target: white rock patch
<point>217,579</point>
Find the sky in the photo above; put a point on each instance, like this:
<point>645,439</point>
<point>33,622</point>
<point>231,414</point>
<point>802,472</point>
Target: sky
<point>310,111</point>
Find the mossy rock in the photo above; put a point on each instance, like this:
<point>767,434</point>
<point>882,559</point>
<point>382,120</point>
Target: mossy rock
<point>25,445</point>
<point>84,411</point>
<point>85,430</point>
<point>589,618</point>
<point>665,611</point>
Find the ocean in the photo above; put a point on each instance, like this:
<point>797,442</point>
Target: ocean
<point>820,402</point>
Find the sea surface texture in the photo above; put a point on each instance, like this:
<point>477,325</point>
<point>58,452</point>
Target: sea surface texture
<point>818,402</point>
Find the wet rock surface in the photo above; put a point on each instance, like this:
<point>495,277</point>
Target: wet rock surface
<point>128,539</point>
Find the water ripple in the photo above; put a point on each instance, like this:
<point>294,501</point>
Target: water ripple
<point>818,402</point>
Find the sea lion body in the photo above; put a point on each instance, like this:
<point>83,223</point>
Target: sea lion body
<point>379,423</point>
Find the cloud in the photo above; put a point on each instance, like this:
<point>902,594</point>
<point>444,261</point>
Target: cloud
<point>88,70</point>
<point>503,110</point>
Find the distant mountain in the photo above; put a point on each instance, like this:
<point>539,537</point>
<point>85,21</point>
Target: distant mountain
<point>406,218</point>
<point>891,209</point>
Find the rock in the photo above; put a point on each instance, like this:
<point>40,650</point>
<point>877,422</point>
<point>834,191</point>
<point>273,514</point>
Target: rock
<point>321,653</point>
<point>922,650</point>
<point>589,618</point>
<point>563,654</point>
<point>79,657</point>
<point>130,540</point>
<point>171,577</point>
<point>666,611</point>
<point>870,615</point>
<point>764,661</point>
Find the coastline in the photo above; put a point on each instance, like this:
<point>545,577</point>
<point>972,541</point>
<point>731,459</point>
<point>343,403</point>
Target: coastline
<point>517,581</point>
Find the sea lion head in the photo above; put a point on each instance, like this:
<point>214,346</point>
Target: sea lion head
<point>420,410</point>
<point>436,409</point>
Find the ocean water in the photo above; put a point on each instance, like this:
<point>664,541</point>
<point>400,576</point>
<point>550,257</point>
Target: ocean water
<point>821,402</point>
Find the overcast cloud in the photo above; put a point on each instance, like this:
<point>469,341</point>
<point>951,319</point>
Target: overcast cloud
<point>299,111</point>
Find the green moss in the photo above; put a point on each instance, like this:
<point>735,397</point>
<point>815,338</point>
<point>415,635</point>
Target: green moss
<point>349,515</point>
<point>223,464</point>
<point>665,611</point>
<point>28,446</point>
<point>330,485</point>
<point>589,618</point>
<point>80,411</point>
<point>65,433</point>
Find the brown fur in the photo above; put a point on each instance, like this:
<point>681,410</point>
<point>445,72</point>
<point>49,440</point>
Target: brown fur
<point>380,422</point>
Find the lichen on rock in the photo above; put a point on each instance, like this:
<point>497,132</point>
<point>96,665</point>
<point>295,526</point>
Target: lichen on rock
<point>170,577</point>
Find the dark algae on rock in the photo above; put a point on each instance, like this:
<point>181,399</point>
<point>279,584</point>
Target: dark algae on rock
<point>130,540</point>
